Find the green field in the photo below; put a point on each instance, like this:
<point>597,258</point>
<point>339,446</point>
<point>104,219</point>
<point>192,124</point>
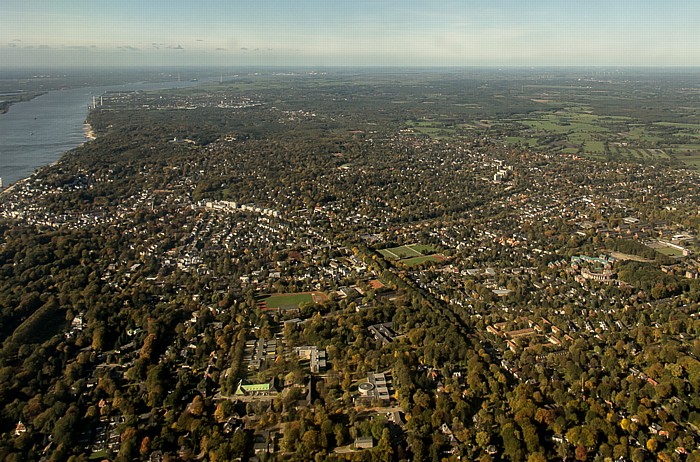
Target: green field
<point>438,129</point>
<point>291,301</point>
<point>669,251</point>
<point>576,129</point>
<point>407,251</point>
<point>412,255</point>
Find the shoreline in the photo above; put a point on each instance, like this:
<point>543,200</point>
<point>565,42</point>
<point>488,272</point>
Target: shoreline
<point>9,189</point>
<point>88,132</point>
<point>7,104</point>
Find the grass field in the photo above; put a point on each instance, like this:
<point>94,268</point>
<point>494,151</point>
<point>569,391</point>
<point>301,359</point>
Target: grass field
<point>412,255</point>
<point>415,261</point>
<point>437,129</point>
<point>407,251</point>
<point>669,251</point>
<point>575,129</point>
<point>292,301</point>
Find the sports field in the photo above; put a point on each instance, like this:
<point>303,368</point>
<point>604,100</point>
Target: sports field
<point>291,301</point>
<point>412,255</point>
<point>407,251</point>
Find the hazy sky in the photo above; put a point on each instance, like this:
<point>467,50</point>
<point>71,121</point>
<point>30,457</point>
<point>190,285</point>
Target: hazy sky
<point>342,32</point>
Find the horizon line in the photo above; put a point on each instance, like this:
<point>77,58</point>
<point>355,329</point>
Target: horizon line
<point>364,66</point>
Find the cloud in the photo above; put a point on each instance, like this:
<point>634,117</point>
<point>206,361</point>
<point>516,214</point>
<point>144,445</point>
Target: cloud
<point>200,40</point>
<point>178,47</point>
<point>128,48</point>
<point>44,47</point>
<point>16,40</point>
<point>221,49</point>
<point>12,45</point>
<point>244,48</point>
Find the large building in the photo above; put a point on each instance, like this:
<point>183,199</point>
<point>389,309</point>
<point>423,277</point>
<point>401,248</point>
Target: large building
<point>315,356</point>
<point>375,388</point>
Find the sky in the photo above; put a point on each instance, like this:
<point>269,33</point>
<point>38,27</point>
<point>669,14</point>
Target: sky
<point>51,33</point>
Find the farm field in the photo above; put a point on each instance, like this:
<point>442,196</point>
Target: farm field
<point>589,131</point>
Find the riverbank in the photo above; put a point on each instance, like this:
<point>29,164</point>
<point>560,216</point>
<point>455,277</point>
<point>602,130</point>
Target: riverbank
<point>89,132</point>
<point>13,186</point>
<point>38,132</point>
<point>6,104</point>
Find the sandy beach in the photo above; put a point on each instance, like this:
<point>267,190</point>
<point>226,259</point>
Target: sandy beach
<point>89,133</point>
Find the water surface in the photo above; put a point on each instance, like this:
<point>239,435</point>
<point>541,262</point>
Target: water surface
<point>37,132</point>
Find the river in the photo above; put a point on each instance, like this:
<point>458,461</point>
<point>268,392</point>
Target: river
<point>37,132</point>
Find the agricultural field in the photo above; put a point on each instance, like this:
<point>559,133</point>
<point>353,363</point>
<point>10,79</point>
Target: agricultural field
<point>583,124</point>
<point>435,129</point>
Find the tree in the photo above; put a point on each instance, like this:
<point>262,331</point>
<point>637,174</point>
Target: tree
<point>652,445</point>
<point>384,448</point>
<point>145,448</point>
<point>512,448</point>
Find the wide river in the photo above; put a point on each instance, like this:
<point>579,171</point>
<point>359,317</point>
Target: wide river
<point>37,132</point>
